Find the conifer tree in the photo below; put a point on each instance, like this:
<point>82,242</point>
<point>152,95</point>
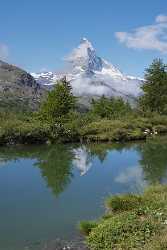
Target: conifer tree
<point>60,101</point>
<point>154,98</point>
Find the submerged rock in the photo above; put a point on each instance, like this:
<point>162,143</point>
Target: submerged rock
<point>62,245</point>
<point>58,244</point>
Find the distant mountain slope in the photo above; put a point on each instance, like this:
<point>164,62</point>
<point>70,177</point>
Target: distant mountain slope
<point>90,75</point>
<point>18,89</point>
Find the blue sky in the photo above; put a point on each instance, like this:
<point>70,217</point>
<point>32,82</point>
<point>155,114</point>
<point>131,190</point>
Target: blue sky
<point>39,34</point>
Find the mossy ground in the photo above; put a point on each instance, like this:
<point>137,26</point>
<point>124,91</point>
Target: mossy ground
<point>132,222</point>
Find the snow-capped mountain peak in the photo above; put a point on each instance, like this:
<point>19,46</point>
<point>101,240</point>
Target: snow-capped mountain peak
<point>84,57</point>
<point>90,75</point>
<point>82,51</point>
<point>87,43</point>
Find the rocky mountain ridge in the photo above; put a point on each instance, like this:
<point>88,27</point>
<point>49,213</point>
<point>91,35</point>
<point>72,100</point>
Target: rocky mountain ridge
<point>18,88</point>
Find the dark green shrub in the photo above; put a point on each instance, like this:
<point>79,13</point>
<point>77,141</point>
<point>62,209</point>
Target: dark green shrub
<point>160,129</point>
<point>123,202</point>
<point>85,227</point>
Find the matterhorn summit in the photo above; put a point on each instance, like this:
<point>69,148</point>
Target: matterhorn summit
<point>92,76</point>
<point>84,58</point>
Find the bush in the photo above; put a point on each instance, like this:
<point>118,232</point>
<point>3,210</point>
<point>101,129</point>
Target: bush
<point>123,202</point>
<point>114,130</point>
<point>17,131</point>
<point>85,227</point>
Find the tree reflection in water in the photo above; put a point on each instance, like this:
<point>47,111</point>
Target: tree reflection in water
<point>56,167</point>
<point>56,162</point>
<point>154,159</point>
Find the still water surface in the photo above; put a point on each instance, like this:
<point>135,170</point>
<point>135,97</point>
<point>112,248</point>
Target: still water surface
<point>46,190</point>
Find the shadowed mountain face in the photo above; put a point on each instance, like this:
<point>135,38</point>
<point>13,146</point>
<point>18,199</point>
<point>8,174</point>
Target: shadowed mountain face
<point>18,88</point>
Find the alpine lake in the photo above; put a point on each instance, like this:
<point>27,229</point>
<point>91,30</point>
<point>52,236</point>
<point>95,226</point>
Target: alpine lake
<point>46,190</point>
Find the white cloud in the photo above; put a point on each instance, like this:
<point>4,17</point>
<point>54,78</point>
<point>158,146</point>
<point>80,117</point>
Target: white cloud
<point>4,52</point>
<point>132,175</point>
<point>161,19</point>
<point>151,37</point>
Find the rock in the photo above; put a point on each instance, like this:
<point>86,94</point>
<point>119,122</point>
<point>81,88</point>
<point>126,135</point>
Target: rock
<point>58,244</point>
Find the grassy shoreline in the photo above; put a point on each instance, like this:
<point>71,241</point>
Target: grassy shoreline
<point>131,222</point>
<point>27,130</point>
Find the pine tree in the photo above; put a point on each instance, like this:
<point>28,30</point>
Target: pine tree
<point>154,98</point>
<point>111,108</point>
<point>60,101</point>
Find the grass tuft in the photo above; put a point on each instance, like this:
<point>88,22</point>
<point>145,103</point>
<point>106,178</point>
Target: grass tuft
<point>123,202</point>
<point>85,227</point>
